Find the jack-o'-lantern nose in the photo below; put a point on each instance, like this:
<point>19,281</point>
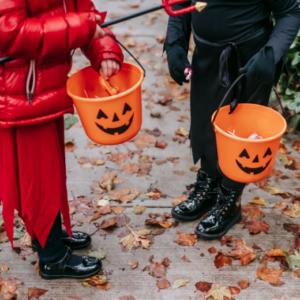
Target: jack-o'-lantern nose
<point>256,159</point>
<point>115,119</point>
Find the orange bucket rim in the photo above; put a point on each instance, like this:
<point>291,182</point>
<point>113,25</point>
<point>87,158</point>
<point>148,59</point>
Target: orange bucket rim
<point>252,141</point>
<point>109,98</point>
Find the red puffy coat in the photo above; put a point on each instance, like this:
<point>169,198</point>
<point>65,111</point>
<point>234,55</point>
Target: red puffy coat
<point>41,34</point>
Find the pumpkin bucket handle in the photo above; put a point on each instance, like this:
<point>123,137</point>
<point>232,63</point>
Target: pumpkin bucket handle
<point>136,60</point>
<point>230,89</point>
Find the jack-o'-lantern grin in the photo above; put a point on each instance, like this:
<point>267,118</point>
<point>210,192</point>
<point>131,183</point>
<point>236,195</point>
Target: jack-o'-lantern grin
<point>251,170</point>
<point>116,130</point>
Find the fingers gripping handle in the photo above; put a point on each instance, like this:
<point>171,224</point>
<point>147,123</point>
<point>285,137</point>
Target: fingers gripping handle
<point>167,4</point>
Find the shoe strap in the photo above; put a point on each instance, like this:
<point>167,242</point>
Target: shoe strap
<point>61,264</point>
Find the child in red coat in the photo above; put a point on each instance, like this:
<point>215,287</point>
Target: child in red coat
<point>40,35</point>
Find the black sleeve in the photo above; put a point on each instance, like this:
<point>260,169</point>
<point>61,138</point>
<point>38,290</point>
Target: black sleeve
<point>179,28</point>
<point>287,17</point>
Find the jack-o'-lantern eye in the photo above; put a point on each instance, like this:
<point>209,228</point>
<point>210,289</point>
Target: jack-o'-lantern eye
<point>268,152</point>
<point>126,109</point>
<point>244,154</point>
<point>101,114</point>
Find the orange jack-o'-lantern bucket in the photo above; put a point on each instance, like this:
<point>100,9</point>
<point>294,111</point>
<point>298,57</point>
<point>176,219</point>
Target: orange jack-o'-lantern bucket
<point>242,159</point>
<point>108,120</point>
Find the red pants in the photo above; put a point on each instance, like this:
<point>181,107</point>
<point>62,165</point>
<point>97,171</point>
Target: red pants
<point>33,177</point>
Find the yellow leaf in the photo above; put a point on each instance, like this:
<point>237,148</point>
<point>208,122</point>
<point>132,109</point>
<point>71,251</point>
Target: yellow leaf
<point>297,175</point>
<point>180,282</point>
<point>218,292</point>
<point>274,190</point>
<point>257,200</point>
<point>182,131</point>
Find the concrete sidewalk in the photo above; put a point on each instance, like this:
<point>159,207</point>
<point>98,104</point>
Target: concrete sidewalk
<point>143,35</point>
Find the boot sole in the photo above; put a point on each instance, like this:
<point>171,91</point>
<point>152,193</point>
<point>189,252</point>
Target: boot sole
<point>190,218</point>
<point>207,236</point>
<point>49,277</point>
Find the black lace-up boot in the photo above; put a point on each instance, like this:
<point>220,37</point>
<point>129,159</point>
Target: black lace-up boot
<point>200,201</point>
<point>226,213</point>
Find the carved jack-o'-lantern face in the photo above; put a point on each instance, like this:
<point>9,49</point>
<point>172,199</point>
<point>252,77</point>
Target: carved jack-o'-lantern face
<point>126,122</point>
<point>258,165</point>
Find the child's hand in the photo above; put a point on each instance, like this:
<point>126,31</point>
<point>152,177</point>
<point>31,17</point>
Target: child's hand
<point>109,67</point>
<point>99,33</point>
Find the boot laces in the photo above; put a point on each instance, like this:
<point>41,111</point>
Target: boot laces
<point>222,204</point>
<point>200,188</point>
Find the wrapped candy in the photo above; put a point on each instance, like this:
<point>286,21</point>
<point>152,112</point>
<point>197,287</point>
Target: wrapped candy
<point>110,89</point>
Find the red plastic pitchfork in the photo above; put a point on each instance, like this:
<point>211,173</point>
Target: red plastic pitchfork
<point>166,4</point>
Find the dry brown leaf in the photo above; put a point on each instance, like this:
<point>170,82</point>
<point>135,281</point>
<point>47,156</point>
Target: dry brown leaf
<point>34,293</point>
<point>293,211</point>
<point>117,194</point>
<point>104,287</point>
<point>70,146</point>
<point>163,284</point>
<point>127,298</point>
<point>243,252</point>
<point>25,240</point>
<point>134,264</point>
<point>257,226</point>
<point>181,131</point>
<point>9,286</point>
<point>282,149</point>
<point>218,292</point>
<point>268,275</point>
<point>297,273</point>
<point>281,205</point>
<point>144,140</point>
<point>276,172</point>
<point>221,260</point>
<point>184,258</point>
<point>252,210</point>
<point>179,172</point>
<point>108,223</point>
<point>4,268</point>
<point>225,240</point>
<point>161,144</point>
<point>243,283</point>
<point>275,252</point>
<point>117,209</point>
<point>118,158</point>
<point>185,239</point>
<point>180,199</point>
<point>101,212</point>
<point>203,286</point>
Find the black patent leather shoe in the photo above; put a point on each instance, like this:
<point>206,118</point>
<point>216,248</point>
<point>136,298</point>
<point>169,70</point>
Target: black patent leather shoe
<point>225,213</point>
<point>200,200</point>
<point>80,240</point>
<point>87,267</point>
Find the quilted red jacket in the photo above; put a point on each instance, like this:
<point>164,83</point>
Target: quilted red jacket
<point>41,34</point>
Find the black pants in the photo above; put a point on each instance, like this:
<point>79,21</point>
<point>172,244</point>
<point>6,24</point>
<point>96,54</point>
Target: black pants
<point>54,249</point>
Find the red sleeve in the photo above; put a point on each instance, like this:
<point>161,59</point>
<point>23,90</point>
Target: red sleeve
<point>97,50</point>
<point>33,38</point>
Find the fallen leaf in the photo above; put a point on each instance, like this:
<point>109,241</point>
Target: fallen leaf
<point>274,190</point>
<point>163,284</point>
<point>293,260</point>
<point>9,286</point>
<point>117,209</point>
<point>243,252</point>
<point>243,283</point>
<point>268,275</point>
<point>178,200</point>
<point>234,290</point>
<point>134,264</point>
<point>160,162</point>
<point>141,168</point>
<point>297,273</point>
<point>282,149</point>
<point>86,166</point>
<point>104,287</point>
<point>101,212</point>
<point>252,210</point>
<point>70,146</point>
<point>122,220</point>
<point>212,250</point>
<point>281,205</point>
<point>221,260</point>
<point>225,240</point>
<point>104,150</point>
<point>127,298</point>
<point>100,253</point>
<point>297,175</point>
<point>138,209</point>
<point>276,172</point>
<point>161,144</point>
<point>108,223</point>
<point>293,211</point>
<point>184,258</point>
<point>83,160</point>
<point>144,140</point>
<point>257,200</point>
<point>186,239</point>
<point>256,226</point>
<point>194,169</point>
<point>203,286</point>
<point>218,292</point>
<point>26,240</point>
<point>275,252</point>
<point>154,193</point>
<point>117,194</point>
<point>118,158</point>
<point>4,268</point>
<point>179,172</point>
<point>34,293</point>
<point>181,131</point>
<point>136,238</point>
<point>179,283</point>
